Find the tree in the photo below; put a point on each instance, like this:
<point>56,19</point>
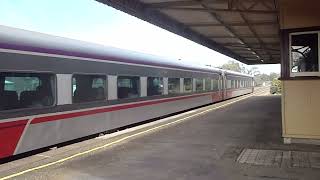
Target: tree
<point>275,86</point>
<point>274,76</point>
<point>253,71</point>
<point>233,66</point>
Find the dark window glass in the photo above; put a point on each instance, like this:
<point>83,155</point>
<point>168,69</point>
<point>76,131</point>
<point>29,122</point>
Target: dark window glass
<point>199,84</point>
<point>207,84</point>
<point>304,53</point>
<point>88,88</point>
<point>173,85</point>
<point>128,87</point>
<point>187,85</point>
<point>215,84</point>
<point>155,86</point>
<point>26,90</point>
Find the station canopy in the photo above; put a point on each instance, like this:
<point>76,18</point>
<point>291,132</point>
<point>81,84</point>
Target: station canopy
<point>246,30</point>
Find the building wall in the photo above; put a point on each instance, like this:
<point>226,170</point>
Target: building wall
<point>301,95</point>
<point>299,13</point>
<point>301,113</point>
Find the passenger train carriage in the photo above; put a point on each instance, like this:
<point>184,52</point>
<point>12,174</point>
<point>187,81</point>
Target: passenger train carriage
<point>54,89</point>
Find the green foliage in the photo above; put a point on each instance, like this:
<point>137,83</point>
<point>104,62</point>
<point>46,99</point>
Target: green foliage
<point>258,77</point>
<point>233,66</point>
<point>275,86</point>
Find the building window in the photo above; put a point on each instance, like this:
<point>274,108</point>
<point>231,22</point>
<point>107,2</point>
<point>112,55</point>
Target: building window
<point>155,86</point>
<point>199,85</point>
<point>128,87</point>
<point>187,85</point>
<point>207,84</point>
<point>173,85</point>
<point>88,88</point>
<point>304,56</point>
<point>26,90</point>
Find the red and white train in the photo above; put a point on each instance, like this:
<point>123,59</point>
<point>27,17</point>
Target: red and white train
<point>54,89</point>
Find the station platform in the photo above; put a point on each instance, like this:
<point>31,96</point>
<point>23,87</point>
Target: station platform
<point>233,140</point>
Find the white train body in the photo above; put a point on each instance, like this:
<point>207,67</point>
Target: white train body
<point>54,90</point>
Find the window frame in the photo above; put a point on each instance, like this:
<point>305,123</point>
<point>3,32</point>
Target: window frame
<point>200,80</point>
<point>205,84</point>
<point>213,80</point>
<point>90,74</point>
<point>55,93</point>
<point>299,74</point>
<point>183,85</point>
<point>126,75</point>
<point>179,86</point>
<point>163,93</point>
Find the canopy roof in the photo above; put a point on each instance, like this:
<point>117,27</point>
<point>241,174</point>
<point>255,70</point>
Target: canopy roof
<point>247,30</point>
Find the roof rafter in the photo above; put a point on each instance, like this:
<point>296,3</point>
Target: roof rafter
<point>254,32</point>
<point>235,24</point>
<point>244,36</point>
<point>249,29</point>
<point>229,28</point>
<point>217,10</point>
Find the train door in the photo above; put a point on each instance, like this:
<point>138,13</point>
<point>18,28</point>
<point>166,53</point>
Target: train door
<point>223,86</point>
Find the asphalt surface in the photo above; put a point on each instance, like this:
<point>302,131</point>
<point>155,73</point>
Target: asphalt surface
<point>202,147</point>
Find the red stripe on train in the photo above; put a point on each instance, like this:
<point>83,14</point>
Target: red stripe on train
<point>108,109</point>
<point>10,134</point>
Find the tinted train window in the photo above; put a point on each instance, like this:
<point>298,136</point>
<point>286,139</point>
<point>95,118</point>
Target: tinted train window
<point>207,84</point>
<point>155,86</point>
<point>228,84</point>
<point>187,85</point>
<point>173,85</point>
<point>88,88</point>
<point>199,84</point>
<point>128,87</point>
<point>26,90</point>
<point>215,84</point>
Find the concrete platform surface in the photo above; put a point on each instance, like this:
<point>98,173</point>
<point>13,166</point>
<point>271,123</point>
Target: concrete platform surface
<point>239,141</point>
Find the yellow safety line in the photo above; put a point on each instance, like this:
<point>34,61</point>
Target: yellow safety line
<point>118,141</point>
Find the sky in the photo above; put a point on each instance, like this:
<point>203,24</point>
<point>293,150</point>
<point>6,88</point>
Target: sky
<point>92,21</point>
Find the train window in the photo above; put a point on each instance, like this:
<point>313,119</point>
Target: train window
<point>304,53</point>
<point>187,85</point>
<point>128,87</point>
<point>26,90</point>
<point>155,86</point>
<point>173,85</point>
<point>207,84</point>
<point>228,84</point>
<point>199,85</point>
<point>215,84</point>
<point>233,83</point>
<point>88,88</point>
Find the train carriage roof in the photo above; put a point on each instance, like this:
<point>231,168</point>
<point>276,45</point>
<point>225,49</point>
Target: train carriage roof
<point>23,40</point>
